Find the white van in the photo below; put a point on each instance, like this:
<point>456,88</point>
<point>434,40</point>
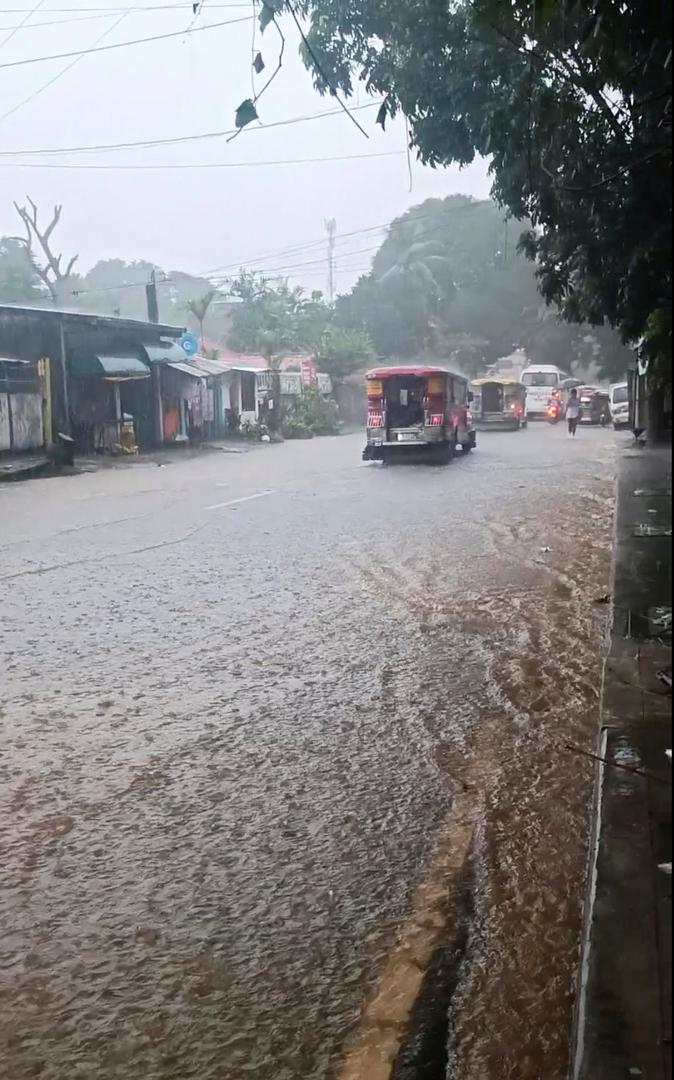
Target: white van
<point>619,405</point>
<point>541,380</point>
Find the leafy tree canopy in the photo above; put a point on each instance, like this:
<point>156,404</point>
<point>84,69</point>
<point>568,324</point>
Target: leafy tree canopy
<point>270,317</point>
<point>448,281</point>
<point>19,280</point>
<point>571,102</point>
<point>341,352</point>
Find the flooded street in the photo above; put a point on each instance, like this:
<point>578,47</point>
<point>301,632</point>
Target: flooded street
<point>282,733</point>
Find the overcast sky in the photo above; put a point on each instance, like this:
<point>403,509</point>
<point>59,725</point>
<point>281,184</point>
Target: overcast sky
<point>194,219</point>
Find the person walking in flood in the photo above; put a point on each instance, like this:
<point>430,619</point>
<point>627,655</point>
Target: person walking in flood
<point>573,411</point>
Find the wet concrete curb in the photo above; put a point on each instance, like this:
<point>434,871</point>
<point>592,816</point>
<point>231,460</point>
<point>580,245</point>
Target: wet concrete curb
<point>623,1022</point>
<point>13,470</point>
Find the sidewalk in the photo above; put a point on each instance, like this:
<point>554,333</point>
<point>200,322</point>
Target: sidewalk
<point>24,467</point>
<point>623,1024</point>
<point>30,466</point>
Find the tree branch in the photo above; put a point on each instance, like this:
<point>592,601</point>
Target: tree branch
<point>51,273</point>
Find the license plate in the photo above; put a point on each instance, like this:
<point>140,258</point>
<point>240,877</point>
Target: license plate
<point>407,437</point>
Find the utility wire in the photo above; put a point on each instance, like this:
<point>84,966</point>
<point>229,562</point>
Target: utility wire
<point>122,44</point>
<point>15,30</point>
<point>176,140</point>
<point>319,242</point>
<point>117,10</point>
<point>292,251</point>
<point>311,262</point>
<point>61,22</point>
<point>62,72</point>
<point>194,165</point>
<point>249,264</point>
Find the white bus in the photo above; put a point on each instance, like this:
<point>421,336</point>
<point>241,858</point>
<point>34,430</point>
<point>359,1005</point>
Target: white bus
<point>541,380</point>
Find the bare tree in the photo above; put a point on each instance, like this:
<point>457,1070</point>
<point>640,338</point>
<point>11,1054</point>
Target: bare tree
<point>50,270</point>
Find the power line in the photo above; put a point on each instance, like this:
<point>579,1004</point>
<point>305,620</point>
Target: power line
<point>23,22</point>
<point>293,251</point>
<point>177,140</point>
<point>319,263</point>
<point>62,72</point>
<point>123,44</point>
<point>311,262</point>
<point>117,10</point>
<point>195,165</point>
<point>320,241</point>
<point>62,22</point>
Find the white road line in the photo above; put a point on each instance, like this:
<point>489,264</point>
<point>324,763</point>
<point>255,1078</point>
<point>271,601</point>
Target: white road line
<point>241,499</point>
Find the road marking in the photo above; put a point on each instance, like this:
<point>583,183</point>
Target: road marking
<point>241,499</point>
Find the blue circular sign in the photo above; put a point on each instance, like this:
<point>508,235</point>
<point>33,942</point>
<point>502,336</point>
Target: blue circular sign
<point>189,344</point>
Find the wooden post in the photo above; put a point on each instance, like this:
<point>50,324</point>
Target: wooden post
<point>157,404</point>
<point>64,379</point>
<point>44,369</point>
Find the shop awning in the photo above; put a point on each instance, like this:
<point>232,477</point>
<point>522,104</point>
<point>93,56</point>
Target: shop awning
<point>165,353</point>
<point>110,367</point>
<point>187,369</point>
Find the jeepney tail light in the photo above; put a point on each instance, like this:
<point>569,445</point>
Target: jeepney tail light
<point>375,419</point>
<point>435,419</point>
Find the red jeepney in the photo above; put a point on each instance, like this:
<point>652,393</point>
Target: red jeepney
<point>417,408</point>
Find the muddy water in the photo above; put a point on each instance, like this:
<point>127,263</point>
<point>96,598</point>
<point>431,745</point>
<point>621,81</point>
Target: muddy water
<point>511,1014</point>
<point>240,779</point>
<point>520,824</point>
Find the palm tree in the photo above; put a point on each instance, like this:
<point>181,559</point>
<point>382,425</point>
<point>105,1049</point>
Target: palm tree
<point>199,309</point>
<point>418,264</point>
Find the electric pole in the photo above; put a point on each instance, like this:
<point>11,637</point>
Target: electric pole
<point>331,227</point>
<point>151,296</point>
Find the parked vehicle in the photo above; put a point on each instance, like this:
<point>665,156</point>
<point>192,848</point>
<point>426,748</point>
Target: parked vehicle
<point>619,405</point>
<point>540,381</point>
<point>417,408</point>
<point>594,405</point>
<point>499,402</point>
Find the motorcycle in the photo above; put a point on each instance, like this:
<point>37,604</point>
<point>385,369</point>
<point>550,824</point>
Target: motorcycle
<point>553,412</point>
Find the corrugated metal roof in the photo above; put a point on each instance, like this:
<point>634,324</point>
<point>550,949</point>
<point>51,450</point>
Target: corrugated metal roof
<point>187,369</point>
<point>167,353</point>
<point>110,322</point>
<point>211,366</point>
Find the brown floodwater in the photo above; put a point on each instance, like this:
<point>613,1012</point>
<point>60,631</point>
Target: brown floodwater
<point>259,763</point>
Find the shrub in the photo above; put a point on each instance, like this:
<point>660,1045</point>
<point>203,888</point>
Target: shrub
<point>314,412</point>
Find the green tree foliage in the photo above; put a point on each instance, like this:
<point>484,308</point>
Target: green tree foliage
<point>570,101</point>
<point>270,317</point>
<point>264,317</point>
<point>340,352</point>
<point>198,308</point>
<point>19,280</point>
<point>448,281</point>
<point>309,415</point>
<point>273,319</point>
<point>116,287</point>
